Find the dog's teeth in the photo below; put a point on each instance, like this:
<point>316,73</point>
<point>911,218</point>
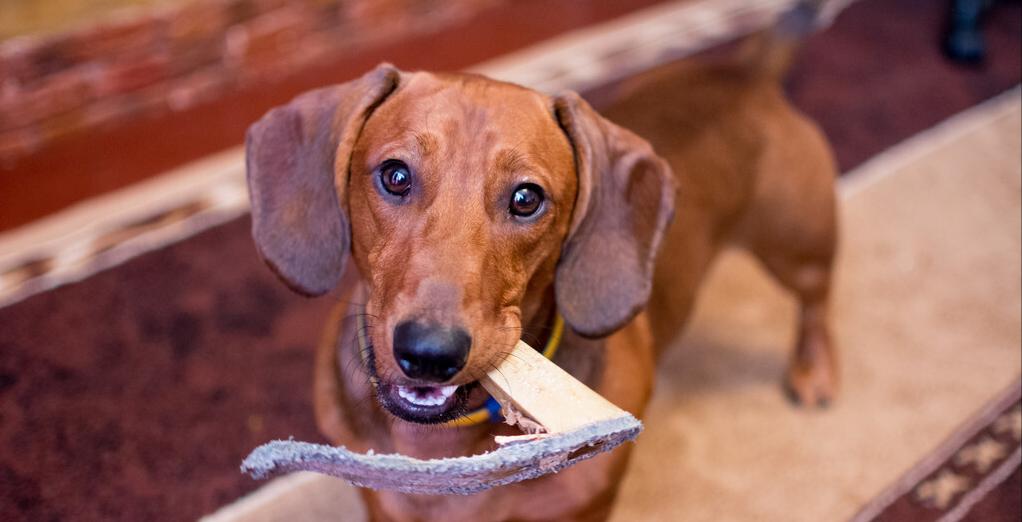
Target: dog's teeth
<point>423,396</point>
<point>407,394</point>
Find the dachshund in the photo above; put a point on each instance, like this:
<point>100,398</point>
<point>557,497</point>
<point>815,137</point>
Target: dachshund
<point>476,213</point>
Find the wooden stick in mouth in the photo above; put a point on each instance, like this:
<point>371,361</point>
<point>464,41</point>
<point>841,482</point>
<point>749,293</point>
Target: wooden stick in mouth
<point>539,396</point>
<point>568,423</point>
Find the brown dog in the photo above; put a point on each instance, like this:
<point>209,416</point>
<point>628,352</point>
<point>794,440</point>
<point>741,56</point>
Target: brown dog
<point>475,211</point>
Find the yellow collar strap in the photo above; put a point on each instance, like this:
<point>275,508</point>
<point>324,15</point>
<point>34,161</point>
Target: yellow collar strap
<point>490,411</point>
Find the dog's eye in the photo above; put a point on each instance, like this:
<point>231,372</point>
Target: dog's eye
<point>395,177</point>
<point>526,200</point>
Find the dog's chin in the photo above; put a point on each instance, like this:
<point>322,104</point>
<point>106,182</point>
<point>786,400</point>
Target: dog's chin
<point>424,404</point>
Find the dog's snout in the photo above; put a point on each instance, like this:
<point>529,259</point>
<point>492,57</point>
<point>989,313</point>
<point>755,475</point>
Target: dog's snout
<point>430,352</point>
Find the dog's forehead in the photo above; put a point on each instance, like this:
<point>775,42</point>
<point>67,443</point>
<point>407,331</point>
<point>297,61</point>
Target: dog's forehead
<point>474,94</point>
<point>465,107</point>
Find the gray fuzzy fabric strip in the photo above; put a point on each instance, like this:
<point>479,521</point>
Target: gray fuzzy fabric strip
<point>452,476</point>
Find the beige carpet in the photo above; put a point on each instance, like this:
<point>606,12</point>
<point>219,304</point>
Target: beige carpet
<point>927,316</point>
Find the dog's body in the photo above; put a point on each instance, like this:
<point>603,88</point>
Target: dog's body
<point>754,173</point>
<point>747,169</point>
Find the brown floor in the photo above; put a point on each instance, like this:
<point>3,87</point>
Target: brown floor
<point>134,394</point>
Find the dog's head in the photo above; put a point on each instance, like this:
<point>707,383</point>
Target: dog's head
<point>463,202</point>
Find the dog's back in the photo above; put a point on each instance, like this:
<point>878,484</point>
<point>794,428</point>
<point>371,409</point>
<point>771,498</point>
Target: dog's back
<point>752,171</point>
<point>714,119</point>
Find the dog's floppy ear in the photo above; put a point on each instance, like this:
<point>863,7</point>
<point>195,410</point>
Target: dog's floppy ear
<point>625,202</point>
<point>297,158</point>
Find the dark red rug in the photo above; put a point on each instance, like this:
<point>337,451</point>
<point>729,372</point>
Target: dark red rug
<point>133,395</point>
<point>974,475</point>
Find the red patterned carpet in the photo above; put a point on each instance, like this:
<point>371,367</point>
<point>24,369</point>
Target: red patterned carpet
<point>134,394</point>
<point>975,466</point>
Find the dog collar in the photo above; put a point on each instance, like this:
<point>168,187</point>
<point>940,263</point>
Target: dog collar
<point>490,410</point>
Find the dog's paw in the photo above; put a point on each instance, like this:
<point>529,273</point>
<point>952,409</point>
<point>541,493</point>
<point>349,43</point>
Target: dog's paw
<point>811,386</point>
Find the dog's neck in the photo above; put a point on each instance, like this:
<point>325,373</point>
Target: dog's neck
<point>538,324</point>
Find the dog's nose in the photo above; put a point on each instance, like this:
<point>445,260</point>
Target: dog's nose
<point>430,352</point>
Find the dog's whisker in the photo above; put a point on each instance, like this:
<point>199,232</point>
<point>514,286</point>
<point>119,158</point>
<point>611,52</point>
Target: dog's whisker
<point>358,314</point>
<point>339,299</point>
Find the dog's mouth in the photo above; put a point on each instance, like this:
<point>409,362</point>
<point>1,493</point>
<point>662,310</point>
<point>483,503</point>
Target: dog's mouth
<point>425,404</point>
